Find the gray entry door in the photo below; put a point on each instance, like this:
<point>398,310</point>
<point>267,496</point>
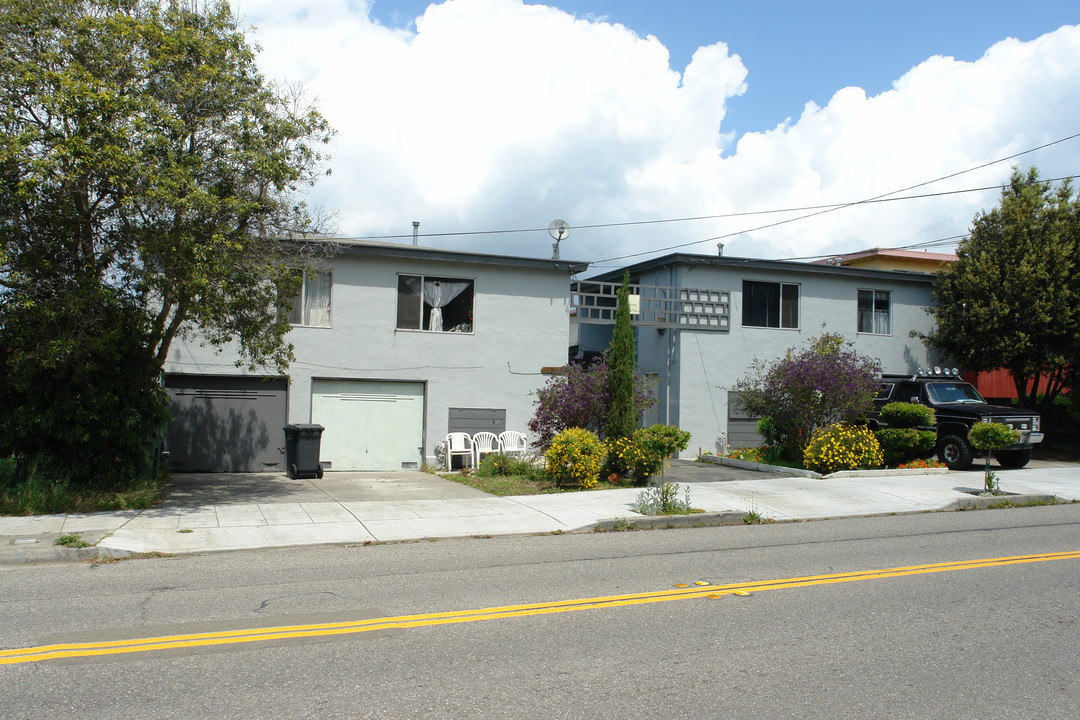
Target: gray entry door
<point>226,424</point>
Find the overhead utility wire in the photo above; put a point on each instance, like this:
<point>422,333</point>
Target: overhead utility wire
<point>929,243</point>
<point>876,198</point>
<point>834,206</point>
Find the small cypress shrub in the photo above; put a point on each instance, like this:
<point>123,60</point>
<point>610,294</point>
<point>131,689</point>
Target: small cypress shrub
<point>907,415</point>
<point>905,438</point>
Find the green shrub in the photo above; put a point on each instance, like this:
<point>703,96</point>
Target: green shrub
<point>643,453</point>
<point>992,436</point>
<point>841,446</point>
<point>907,415</point>
<point>576,455</point>
<point>625,455</point>
<point>769,432</point>
<point>662,440</point>
<point>501,465</point>
<point>663,500</point>
<point>901,445</point>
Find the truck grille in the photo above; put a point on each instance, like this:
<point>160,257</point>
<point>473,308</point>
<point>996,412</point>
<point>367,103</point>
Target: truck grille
<point>1027,423</point>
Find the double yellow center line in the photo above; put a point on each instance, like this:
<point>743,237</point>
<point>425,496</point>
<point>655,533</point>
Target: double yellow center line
<point>288,632</point>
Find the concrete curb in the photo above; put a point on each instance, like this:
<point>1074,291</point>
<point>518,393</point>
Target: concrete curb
<point>760,467</point>
<point>652,522</point>
<point>43,550</point>
<point>798,472</point>
<point>981,502</point>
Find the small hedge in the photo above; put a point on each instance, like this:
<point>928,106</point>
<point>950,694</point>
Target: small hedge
<point>902,445</point>
<point>907,415</point>
<point>577,456</point>
<point>906,439</point>
<point>839,447</point>
<point>992,436</point>
<point>643,454</point>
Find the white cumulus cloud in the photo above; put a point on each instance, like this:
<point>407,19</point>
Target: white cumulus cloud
<point>493,114</point>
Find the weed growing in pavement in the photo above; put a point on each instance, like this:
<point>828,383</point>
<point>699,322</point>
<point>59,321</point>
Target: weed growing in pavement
<point>133,556</point>
<point>663,500</point>
<point>72,541</point>
<point>754,515</point>
<point>185,530</point>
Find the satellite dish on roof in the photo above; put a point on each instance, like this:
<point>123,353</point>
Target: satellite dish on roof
<point>560,230</point>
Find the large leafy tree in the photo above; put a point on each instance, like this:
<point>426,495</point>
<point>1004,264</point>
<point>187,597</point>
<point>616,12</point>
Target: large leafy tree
<point>143,150</point>
<point>1012,299</point>
<point>148,176</point>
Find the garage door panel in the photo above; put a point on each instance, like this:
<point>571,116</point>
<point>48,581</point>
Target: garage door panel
<point>225,424</point>
<point>369,425</point>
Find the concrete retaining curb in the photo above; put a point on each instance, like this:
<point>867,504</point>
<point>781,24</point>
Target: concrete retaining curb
<point>980,502</point>
<point>798,472</point>
<point>651,522</point>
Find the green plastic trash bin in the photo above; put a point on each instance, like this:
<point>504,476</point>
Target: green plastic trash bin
<point>302,450</point>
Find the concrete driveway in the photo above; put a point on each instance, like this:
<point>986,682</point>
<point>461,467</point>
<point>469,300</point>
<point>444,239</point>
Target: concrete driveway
<point>191,489</point>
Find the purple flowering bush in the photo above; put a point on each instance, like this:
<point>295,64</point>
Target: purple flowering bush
<point>578,397</point>
<point>825,383</point>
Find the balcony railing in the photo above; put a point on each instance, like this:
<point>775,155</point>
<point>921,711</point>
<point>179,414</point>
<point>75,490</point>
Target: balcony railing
<point>652,306</point>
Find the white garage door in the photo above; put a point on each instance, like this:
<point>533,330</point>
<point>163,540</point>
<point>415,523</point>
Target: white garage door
<point>369,425</point>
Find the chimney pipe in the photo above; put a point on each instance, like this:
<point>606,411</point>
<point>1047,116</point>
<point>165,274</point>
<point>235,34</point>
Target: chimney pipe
<point>415,231</point>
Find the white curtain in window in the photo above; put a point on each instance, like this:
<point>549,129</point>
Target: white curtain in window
<point>881,312</point>
<point>438,294</point>
<point>317,300</point>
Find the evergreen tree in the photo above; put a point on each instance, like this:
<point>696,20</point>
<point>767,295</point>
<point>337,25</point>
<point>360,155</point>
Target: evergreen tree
<point>622,417</point>
<point>1012,300</point>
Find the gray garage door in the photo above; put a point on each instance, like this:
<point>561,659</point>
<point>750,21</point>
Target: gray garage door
<point>225,424</point>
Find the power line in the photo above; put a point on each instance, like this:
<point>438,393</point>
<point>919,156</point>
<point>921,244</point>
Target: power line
<point>818,209</point>
<point>876,198</point>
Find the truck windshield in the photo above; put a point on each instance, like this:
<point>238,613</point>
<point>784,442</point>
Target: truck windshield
<point>953,392</point>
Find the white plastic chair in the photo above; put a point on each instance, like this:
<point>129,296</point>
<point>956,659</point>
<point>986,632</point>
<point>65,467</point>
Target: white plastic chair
<point>484,443</point>
<point>513,443</point>
<point>458,443</point>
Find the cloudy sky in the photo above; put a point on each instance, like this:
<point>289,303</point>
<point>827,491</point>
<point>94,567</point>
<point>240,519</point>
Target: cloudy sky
<point>678,124</point>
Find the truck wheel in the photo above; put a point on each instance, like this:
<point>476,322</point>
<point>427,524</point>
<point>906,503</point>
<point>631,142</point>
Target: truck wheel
<point>954,451</point>
<point>1013,458</point>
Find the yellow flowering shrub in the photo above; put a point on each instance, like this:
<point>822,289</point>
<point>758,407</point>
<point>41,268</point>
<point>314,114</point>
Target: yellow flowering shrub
<point>626,455</point>
<point>576,455</point>
<point>840,446</point>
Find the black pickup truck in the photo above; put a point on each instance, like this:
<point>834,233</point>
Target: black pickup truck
<point>958,406</point>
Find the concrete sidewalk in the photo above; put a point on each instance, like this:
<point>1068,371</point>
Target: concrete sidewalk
<point>206,513</point>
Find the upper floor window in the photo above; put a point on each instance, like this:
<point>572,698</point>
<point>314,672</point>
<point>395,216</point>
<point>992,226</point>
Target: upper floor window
<point>438,304</point>
<point>770,304</point>
<point>311,307</point>
<point>875,312</point>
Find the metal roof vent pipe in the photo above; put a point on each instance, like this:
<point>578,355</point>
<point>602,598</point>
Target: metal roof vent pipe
<point>415,232</point>
<point>720,249</point>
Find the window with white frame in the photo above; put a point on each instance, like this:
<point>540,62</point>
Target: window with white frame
<point>770,304</point>
<point>437,304</point>
<point>311,307</point>
<point>875,312</point>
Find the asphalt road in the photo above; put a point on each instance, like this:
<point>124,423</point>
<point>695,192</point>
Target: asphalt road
<point>993,641</point>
